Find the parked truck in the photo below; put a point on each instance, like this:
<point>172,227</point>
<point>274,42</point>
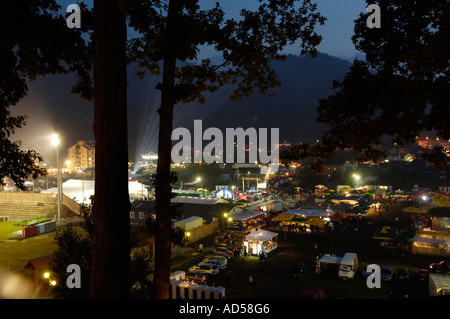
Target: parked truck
<point>348,266</point>
<point>275,206</point>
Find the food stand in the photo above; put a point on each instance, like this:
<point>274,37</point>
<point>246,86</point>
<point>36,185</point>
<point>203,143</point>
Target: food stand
<point>260,240</point>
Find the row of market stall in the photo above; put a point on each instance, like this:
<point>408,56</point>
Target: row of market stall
<point>308,219</point>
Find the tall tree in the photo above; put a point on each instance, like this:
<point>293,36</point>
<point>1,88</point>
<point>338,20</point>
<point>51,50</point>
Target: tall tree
<point>110,269</point>
<point>172,31</point>
<point>28,32</point>
<point>400,90</point>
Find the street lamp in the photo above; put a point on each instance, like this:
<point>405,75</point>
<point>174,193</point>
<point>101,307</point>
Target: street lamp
<point>51,281</point>
<point>55,142</point>
<point>357,177</point>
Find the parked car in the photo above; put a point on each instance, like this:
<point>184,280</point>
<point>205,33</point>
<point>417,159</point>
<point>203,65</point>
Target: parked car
<point>402,273</point>
<point>223,246</point>
<point>222,259</point>
<point>220,264</point>
<point>423,275</point>
<point>223,250</point>
<point>222,253</point>
<point>386,273</point>
<point>442,267</point>
<point>212,264</point>
<point>206,268</point>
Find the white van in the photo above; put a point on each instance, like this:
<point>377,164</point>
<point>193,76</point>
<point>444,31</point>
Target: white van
<point>348,266</point>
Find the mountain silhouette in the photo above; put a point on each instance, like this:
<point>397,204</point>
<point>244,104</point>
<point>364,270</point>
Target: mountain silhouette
<point>293,110</point>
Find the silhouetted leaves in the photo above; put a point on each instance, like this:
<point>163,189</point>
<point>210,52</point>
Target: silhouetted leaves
<point>400,90</point>
<point>29,31</point>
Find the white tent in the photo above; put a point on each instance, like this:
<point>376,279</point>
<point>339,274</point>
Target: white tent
<point>81,190</point>
<point>224,193</point>
<point>137,189</point>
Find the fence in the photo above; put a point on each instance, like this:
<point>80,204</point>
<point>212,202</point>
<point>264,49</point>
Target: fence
<point>25,197</point>
<point>28,197</point>
<point>71,204</point>
<point>201,232</point>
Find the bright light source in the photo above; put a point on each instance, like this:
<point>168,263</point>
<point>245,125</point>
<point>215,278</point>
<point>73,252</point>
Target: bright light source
<point>198,179</point>
<point>188,234</point>
<point>424,197</point>
<point>53,283</point>
<point>46,275</point>
<point>55,139</point>
<point>225,214</point>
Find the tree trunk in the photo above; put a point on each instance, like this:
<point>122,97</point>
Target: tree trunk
<point>111,228</point>
<point>163,189</point>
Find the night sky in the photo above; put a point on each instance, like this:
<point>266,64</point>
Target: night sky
<point>53,108</point>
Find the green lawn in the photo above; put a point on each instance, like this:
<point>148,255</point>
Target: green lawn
<point>6,230</point>
<point>15,254</point>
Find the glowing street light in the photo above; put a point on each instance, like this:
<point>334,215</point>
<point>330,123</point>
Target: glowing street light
<point>51,282</point>
<point>55,139</point>
<point>357,177</point>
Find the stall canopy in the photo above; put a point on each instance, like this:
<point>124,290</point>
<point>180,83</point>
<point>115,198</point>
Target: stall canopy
<point>312,212</point>
<point>439,284</point>
<point>412,209</point>
<point>260,235</point>
<point>283,217</point>
<point>387,233</point>
<point>239,214</point>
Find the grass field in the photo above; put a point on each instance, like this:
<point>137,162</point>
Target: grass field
<point>15,254</point>
<point>6,230</point>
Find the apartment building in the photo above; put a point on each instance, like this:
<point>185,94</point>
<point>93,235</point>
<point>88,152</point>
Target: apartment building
<point>81,155</point>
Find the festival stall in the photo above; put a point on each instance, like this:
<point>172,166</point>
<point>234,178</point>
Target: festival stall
<point>260,240</point>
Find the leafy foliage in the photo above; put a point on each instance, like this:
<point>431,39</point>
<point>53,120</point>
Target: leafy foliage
<point>247,46</point>
<point>29,30</point>
<point>73,248</point>
<point>400,90</point>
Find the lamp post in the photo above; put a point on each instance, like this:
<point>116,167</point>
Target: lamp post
<point>357,177</point>
<point>55,142</point>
